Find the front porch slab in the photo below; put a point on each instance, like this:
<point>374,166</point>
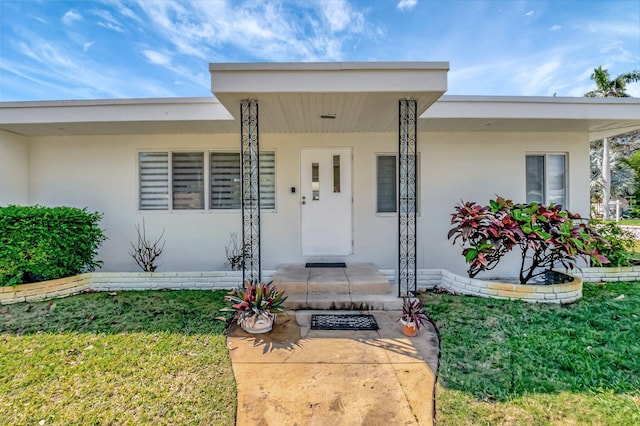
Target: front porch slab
<point>357,286</point>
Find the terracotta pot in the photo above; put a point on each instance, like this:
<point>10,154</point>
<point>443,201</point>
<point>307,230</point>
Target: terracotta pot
<point>409,328</point>
<point>257,324</point>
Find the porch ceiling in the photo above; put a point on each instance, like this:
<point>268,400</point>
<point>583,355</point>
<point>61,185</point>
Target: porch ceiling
<point>294,97</point>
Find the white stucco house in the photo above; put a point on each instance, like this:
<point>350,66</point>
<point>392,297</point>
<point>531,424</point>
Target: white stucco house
<point>358,162</point>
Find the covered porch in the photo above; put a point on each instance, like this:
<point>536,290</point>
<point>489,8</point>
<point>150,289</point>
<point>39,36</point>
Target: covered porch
<point>330,98</point>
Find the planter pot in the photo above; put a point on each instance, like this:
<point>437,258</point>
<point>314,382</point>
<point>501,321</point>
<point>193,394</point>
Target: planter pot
<point>257,324</point>
<point>409,328</point>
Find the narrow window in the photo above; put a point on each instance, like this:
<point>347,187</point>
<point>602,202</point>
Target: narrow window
<point>386,184</point>
<point>546,179</point>
<point>188,180</point>
<point>315,181</point>
<point>267,180</point>
<point>336,173</point>
<point>153,172</point>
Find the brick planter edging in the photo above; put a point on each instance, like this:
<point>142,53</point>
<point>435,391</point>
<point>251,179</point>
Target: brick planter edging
<point>45,290</point>
<point>118,281</point>
<point>606,274</point>
<point>553,293</point>
<point>225,280</point>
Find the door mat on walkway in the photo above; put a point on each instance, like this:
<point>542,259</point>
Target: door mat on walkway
<point>325,265</point>
<point>343,322</point>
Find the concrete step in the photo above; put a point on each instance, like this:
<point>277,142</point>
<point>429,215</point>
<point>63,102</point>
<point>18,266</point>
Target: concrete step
<point>358,278</point>
<point>377,302</point>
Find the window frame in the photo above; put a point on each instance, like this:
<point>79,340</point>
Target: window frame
<point>397,177</point>
<point>207,181</point>
<point>546,177</point>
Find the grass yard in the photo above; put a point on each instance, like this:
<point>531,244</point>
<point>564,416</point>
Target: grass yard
<point>629,222</point>
<point>513,363</point>
<point>130,358</point>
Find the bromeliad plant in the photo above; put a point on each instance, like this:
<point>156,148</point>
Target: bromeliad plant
<point>547,236</point>
<point>255,299</point>
<point>413,312</point>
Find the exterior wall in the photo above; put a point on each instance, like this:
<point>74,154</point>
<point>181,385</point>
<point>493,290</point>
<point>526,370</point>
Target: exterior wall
<point>14,169</point>
<point>477,166</point>
<point>100,172</point>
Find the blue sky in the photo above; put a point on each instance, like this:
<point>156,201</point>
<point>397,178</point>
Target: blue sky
<point>60,49</point>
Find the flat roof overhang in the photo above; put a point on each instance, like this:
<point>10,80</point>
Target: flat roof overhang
<point>116,116</point>
<point>599,117</point>
<point>359,96</point>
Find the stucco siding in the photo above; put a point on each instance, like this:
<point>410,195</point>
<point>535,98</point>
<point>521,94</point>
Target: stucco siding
<point>100,172</point>
<point>14,169</point>
<point>477,166</point>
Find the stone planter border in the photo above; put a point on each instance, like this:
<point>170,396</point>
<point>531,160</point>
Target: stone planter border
<point>552,293</point>
<point>618,273</point>
<point>225,280</point>
<point>45,290</point>
<point>119,281</point>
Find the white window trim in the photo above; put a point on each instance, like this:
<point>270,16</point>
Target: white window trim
<point>207,182</point>
<point>546,154</point>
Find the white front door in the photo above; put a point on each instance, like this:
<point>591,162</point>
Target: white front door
<point>325,201</point>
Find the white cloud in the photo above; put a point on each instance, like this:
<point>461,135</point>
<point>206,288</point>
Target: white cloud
<point>555,27</point>
<point>619,29</point>
<point>108,21</point>
<point>74,75</point>
<point>70,17</point>
<point>157,58</point>
<point>529,13</point>
<point>406,4</point>
<point>86,46</point>
<point>340,16</point>
<point>269,30</point>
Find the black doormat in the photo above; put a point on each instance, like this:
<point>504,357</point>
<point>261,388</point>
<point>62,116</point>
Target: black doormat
<point>343,322</point>
<point>325,265</point>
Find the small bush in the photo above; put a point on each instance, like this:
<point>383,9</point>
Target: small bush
<point>618,244</point>
<point>44,243</point>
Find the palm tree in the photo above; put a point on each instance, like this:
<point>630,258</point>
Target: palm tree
<point>605,88</point>
<point>623,175</point>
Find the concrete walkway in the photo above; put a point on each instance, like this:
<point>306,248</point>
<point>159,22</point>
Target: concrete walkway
<point>297,376</point>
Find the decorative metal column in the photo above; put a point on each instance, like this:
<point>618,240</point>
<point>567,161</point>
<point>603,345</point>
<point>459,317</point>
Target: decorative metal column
<point>407,184</point>
<point>251,269</point>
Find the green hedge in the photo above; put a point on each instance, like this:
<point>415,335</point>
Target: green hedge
<point>44,243</point>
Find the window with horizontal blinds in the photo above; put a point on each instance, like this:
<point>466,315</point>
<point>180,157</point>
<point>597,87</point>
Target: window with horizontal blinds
<point>153,175</point>
<point>188,180</point>
<point>184,174</point>
<point>226,182</point>
<point>386,184</point>
<point>267,180</point>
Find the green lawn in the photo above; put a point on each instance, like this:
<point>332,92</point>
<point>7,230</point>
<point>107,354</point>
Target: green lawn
<point>512,363</point>
<point>120,359</point>
<point>629,222</point>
